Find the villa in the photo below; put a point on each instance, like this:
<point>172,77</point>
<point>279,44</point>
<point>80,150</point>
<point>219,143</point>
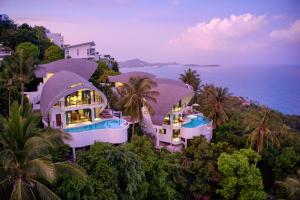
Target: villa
<point>173,122</point>
<point>84,50</point>
<point>68,101</point>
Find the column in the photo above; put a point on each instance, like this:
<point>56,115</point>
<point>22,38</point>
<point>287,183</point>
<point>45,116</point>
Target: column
<point>93,114</point>
<point>157,138</point>
<point>74,154</point>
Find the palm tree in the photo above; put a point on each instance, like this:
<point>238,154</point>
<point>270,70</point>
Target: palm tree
<point>7,81</point>
<point>261,130</point>
<point>21,68</point>
<point>214,103</point>
<point>137,94</point>
<point>192,78</point>
<point>292,186</point>
<point>25,162</point>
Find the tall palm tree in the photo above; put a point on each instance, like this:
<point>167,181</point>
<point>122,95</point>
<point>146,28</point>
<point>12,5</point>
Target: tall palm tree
<point>21,67</point>
<point>137,94</point>
<point>262,131</point>
<point>7,81</point>
<point>25,161</point>
<point>192,78</point>
<point>214,104</point>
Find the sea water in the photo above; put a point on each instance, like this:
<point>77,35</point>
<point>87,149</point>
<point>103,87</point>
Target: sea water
<point>276,86</point>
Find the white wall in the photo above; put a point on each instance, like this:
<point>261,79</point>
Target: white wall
<point>86,138</point>
<point>82,51</point>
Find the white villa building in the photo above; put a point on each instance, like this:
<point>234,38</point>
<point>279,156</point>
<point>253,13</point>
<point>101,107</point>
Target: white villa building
<point>83,50</point>
<point>56,38</point>
<point>173,123</point>
<point>68,101</point>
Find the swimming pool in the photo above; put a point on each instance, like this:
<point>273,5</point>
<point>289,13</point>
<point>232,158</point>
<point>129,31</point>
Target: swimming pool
<point>106,124</point>
<point>196,120</point>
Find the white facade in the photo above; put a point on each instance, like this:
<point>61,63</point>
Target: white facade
<point>86,138</point>
<point>172,132</point>
<point>4,51</point>
<point>56,38</point>
<point>84,50</point>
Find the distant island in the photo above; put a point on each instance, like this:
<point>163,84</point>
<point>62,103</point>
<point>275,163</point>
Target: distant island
<point>140,63</point>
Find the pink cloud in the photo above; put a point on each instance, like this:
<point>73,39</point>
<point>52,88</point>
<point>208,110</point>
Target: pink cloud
<point>221,34</point>
<point>289,35</point>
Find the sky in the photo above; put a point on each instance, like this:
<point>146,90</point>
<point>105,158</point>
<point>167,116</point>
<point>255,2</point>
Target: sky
<point>185,31</point>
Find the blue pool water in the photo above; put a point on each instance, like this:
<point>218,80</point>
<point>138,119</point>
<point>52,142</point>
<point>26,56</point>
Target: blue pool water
<point>111,123</point>
<point>196,121</point>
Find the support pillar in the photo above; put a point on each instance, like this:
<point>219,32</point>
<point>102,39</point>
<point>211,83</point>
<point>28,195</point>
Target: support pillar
<point>157,138</point>
<point>185,143</point>
<point>74,154</point>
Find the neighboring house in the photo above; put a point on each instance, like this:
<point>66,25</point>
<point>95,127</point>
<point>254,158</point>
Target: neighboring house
<point>68,101</point>
<point>83,50</point>
<point>56,38</point>
<point>4,51</point>
<point>173,122</point>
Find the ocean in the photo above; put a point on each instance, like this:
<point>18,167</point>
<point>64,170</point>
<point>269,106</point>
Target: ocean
<point>276,86</point>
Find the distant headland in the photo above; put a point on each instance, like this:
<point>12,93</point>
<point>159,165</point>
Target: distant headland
<point>140,63</point>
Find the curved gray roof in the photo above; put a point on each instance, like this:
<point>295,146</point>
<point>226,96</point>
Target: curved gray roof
<point>82,67</point>
<point>124,77</point>
<point>60,85</point>
<point>171,91</point>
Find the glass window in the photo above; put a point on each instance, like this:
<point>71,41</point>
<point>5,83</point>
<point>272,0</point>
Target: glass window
<point>176,133</point>
<point>162,131</point>
<point>79,97</point>
<point>77,52</point>
<point>167,120</point>
<point>78,116</point>
<point>97,98</point>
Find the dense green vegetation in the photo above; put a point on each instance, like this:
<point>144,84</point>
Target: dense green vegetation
<point>254,153</point>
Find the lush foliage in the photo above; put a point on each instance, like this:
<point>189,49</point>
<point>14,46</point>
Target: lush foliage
<point>53,53</point>
<point>12,35</point>
<point>135,95</point>
<point>192,78</point>
<point>241,179</point>
<point>26,163</point>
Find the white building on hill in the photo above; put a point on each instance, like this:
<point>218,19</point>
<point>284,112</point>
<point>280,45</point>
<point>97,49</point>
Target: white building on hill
<point>56,38</point>
<point>84,50</point>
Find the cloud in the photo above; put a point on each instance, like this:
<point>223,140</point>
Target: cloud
<point>221,34</point>
<point>289,35</point>
<point>278,17</point>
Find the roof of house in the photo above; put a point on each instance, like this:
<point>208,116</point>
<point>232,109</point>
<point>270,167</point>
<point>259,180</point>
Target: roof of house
<point>170,92</point>
<point>124,77</point>
<point>82,67</point>
<point>92,43</point>
<point>60,85</point>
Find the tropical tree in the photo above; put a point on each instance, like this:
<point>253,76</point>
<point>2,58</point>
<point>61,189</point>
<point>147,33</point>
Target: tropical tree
<point>241,179</point>
<point>29,49</point>
<point>214,103</point>
<point>262,130</point>
<point>292,186</point>
<point>137,94</point>
<point>192,78</point>
<point>7,81</point>
<point>21,67</point>
<point>53,53</point>
<point>25,162</point>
